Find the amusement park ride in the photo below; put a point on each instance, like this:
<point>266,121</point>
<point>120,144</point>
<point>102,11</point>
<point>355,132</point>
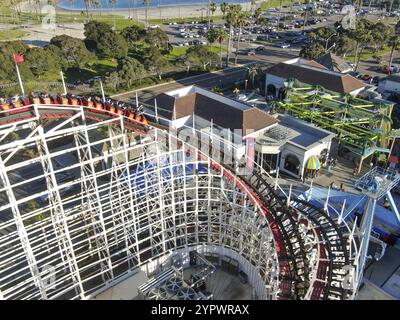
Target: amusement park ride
<point>139,198</point>
<point>360,124</point>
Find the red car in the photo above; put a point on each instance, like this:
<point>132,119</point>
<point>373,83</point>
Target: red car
<point>387,70</point>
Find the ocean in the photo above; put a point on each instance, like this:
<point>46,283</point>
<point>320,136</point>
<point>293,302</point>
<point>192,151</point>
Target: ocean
<point>126,4</point>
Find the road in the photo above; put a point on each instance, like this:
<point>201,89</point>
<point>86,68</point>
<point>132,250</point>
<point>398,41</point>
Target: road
<point>207,81</point>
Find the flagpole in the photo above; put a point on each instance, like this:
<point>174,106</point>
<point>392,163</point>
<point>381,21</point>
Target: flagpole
<point>102,91</point>
<point>63,82</point>
<point>19,78</point>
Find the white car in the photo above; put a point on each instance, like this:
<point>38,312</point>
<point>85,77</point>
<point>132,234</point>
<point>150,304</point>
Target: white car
<point>282,45</point>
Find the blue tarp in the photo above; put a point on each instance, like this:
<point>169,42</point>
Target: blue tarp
<point>142,176</point>
<point>386,219</point>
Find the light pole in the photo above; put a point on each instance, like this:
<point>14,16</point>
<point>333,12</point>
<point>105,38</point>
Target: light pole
<point>326,41</point>
<point>374,184</point>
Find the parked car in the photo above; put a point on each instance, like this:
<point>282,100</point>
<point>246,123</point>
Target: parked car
<point>283,45</point>
<point>375,80</point>
<point>391,69</point>
<point>366,77</point>
<point>260,48</point>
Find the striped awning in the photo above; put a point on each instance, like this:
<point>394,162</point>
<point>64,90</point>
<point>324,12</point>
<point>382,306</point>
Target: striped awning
<point>313,163</point>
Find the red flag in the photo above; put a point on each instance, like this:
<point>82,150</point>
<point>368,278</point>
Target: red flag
<point>18,58</point>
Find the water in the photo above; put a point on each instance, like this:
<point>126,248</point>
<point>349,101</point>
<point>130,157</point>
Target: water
<point>126,4</point>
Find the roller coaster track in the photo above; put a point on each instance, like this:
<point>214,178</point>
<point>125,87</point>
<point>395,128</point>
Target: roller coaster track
<point>298,278</point>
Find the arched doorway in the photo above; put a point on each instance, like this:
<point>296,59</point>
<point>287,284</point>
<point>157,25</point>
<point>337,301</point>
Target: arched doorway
<point>271,90</point>
<point>292,164</point>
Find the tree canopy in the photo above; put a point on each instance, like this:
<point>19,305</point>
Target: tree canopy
<point>72,50</point>
<point>103,40</point>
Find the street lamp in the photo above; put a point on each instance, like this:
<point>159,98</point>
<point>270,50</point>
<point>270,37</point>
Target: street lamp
<point>326,41</point>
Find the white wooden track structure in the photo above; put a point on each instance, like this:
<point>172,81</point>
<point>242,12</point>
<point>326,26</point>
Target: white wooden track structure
<point>114,198</point>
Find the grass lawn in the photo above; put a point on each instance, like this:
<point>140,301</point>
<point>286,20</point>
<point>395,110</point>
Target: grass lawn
<point>12,34</point>
<point>120,21</point>
<point>276,3</point>
<point>185,20</point>
<point>368,54</point>
<point>95,68</point>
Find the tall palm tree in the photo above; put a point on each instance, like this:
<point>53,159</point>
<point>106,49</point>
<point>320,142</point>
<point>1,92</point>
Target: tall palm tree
<point>280,11</point>
<point>241,20</point>
<point>87,5</point>
<point>394,43</point>
<point>231,18</point>
<point>146,11</point>
<point>252,72</point>
<point>91,3</point>
<point>306,13</point>
<point>253,4</point>
<point>209,13</point>
<point>213,8</point>
<point>289,85</point>
<point>224,8</point>
<point>221,37</point>
<point>390,5</point>
<point>113,3</point>
<point>369,5</point>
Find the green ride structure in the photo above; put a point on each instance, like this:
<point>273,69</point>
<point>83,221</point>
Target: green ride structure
<point>363,126</point>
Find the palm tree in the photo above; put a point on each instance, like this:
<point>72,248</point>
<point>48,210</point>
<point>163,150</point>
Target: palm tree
<point>252,72</point>
<point>221,36</point>
<point>253,3</point>
<point>113,3</point>
<point>87,5</point>
<point>146,11</point>
<point>306,13</point>
<point>289,84</point>
<point>209,13</point>
<point>241,20</point>
<point>391,6</point>
<point>231,17</point>
<point>91,3</point>
<point>280,11</point>
<point>224,8</point>
<point>394,43</point>
<point>369,5</point>
<point>213,8</point>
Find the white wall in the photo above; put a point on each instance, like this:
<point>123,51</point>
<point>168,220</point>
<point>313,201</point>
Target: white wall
<point>291,149</point>
<point>278,82</point>
<point>302,154</point>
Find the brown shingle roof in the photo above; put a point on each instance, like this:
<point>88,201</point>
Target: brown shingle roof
<point>222,114</point>
<point>313,63</point>
<point>334,81</point>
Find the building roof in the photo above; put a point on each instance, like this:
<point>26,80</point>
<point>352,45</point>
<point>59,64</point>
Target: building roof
<point>393,77</point>
<point>334,81</point>
<point>297,132</point>
<point>223,111</point>
<point>334,63</point>
<point>311,63</point>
